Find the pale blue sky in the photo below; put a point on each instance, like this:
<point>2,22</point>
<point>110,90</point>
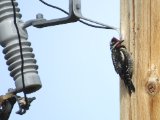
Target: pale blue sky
<point>79,81</point>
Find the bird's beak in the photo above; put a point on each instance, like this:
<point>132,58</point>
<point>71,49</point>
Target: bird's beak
<point>121,41</point>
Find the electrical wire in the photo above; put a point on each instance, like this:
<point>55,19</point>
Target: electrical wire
<point>55,7</point>
<point>21,50</point>
<point>60,9</point>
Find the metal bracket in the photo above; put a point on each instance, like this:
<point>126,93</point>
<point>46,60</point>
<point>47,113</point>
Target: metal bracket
<point>74,15</point>
<point>40,22</point>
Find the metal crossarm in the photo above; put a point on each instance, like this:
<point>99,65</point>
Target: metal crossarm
<point>41,22</point>
<point>74,15</point>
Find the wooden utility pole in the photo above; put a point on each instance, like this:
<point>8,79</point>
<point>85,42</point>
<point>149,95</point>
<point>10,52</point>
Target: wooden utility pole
<point>140,28</point>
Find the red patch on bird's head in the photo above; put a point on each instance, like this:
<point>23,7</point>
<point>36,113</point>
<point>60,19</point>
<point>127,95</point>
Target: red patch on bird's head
<point>115,43</point>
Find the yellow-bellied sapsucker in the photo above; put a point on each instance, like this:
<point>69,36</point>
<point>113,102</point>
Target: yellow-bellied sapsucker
<point>122,62</point>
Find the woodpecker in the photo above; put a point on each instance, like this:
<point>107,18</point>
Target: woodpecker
<point>122,62</point>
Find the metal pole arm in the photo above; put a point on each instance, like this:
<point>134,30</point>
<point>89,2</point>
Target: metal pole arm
<point>41,22</point>
<point>73,16</point>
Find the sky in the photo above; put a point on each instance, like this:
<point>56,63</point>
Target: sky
<point>75,66</point>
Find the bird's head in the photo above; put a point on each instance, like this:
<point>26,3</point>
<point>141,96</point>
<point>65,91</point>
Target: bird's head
<point>115,43</point>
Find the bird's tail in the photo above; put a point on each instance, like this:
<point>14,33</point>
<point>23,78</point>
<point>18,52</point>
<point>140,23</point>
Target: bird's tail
<point>130,86</point>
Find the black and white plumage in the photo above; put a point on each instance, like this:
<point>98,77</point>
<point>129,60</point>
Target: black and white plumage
<point>122,62</point>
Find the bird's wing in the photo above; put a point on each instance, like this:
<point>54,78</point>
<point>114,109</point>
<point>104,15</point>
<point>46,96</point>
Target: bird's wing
<point>128,62</point>
<point>118,62</point>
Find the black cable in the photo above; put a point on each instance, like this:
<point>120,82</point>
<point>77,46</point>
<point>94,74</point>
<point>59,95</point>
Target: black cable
<point>55,7</point>
<point>21,50</point>
<point>60,9</point>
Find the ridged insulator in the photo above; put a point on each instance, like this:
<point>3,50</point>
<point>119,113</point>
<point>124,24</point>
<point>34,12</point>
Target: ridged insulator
<point>6,10</point>
<point>9,40</point>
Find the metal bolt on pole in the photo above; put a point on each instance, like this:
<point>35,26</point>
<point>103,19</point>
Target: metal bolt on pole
<point>9,41</point>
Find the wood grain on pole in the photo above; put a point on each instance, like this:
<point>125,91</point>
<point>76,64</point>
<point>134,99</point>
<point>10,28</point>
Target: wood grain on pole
<point>140,28</point>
